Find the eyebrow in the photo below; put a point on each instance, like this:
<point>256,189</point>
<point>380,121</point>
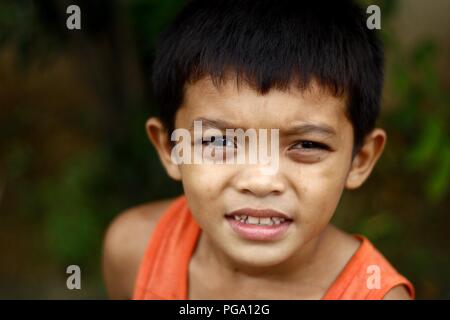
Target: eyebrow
<point>296,128</point>
<point>210,123</point>
<point>305,128</point>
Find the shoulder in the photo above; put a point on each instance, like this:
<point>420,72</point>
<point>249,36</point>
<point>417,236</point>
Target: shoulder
<point>397,293</point>
<point>124,245</point>
<point>356,255</point>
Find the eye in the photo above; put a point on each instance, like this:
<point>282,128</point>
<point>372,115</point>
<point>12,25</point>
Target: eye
<point>309,145</point>
<point>223,141</point>
<point>306,151</point>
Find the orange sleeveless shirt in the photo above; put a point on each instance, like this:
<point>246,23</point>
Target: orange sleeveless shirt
<point>163,273</point>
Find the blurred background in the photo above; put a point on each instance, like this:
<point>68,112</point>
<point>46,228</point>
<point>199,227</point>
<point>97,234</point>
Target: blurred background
<point>74,152</point>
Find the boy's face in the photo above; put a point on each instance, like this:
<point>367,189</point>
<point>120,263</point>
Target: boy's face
<point>307,185</point>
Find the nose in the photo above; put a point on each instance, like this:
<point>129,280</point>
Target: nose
<point>255,180</point>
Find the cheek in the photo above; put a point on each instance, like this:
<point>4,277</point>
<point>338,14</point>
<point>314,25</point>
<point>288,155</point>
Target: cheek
<point>203,186</point>
<point>320,188</point>
<point>203,181</point>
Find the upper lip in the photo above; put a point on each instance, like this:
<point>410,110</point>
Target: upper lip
<point>262,213</point>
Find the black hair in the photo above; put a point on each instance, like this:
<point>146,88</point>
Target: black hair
<point>270,44</point>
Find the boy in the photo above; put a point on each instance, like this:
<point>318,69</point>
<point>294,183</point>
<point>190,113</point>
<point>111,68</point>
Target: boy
<point>314,72</point>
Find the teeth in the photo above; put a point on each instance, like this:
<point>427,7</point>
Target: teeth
<point>268,221</point>
<point>265,221</point>
<point>252,220</point>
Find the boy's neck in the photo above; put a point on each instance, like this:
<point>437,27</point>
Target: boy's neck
<point>301,267</point>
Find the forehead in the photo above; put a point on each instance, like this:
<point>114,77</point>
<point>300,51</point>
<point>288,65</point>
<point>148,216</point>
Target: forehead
<point>244,107</point>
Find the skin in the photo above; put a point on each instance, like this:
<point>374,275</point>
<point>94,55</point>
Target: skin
<point>314,169</point>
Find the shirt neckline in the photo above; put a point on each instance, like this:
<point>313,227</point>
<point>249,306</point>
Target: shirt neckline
<point>343,277</point>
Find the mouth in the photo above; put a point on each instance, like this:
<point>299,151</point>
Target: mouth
<point>263,224</point>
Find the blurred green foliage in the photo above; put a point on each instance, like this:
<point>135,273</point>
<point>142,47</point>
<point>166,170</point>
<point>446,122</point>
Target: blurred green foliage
<point>422,114</point>
<point>75,153</point>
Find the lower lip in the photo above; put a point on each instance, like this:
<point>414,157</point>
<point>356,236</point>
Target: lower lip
<point>258,232</point>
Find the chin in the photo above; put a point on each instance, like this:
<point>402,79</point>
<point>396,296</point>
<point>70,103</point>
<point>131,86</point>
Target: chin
<point>260,255</point>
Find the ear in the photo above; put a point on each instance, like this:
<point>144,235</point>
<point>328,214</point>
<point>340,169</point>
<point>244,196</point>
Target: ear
<point>365,159</point>
<point>158,135</point>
